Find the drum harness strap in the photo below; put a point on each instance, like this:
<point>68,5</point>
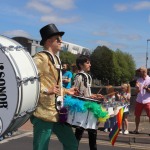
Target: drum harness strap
<point>86,78</point>
<point>59,68</point>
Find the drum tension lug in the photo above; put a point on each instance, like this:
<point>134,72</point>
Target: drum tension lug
<point>33,78</point>
<point>22,114</point>
<point>18,48</point>
<point>11,48</point>
<point>25,80</point>
<point>19,81</point>
<point>30,111</point>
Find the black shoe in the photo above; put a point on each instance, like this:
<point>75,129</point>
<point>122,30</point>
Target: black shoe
<point>134,132</point>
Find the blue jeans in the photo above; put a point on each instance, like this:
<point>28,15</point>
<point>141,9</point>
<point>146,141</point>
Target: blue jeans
<point>42,131</point>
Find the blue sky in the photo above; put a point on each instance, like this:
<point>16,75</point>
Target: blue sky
<point>117,24</point>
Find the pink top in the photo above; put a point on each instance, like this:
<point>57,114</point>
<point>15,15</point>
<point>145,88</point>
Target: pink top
<point>143,96</point>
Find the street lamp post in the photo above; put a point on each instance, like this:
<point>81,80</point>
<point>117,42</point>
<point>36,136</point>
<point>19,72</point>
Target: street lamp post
<point>147,52</point>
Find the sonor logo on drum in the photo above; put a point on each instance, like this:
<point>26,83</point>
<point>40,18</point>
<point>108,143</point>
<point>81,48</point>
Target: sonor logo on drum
<point>3,96</point>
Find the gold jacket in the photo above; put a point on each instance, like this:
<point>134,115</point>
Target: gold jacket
<point>48,74</point>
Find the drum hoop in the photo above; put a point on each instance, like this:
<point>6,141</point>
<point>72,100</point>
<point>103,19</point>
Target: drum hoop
<point>2,124</point>
<point>87,99</point>
<point>36,72</point>
<point>16,70</point>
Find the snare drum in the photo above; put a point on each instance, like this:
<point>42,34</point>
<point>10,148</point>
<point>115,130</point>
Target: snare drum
<point>85,119</point>
<point>19,85</point>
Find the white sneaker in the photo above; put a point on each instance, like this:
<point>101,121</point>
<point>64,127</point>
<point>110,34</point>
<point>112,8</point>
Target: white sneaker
<point>106,130</point>
<point>121,132</point>
<point>126,132</point>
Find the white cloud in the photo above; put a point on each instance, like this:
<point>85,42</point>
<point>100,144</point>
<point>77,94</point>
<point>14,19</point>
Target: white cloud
<point>133,6</point>
<point>50,9</point>
<point>118,35</point>
<point>9,11</point>
<point>39,6</point>
<point>142,5</point>
<point>13,33</point>
<point>130,37</point>
<point>62,4</point>
<point>121,7</point>
<point>58,20</point>
<point>113,46</point>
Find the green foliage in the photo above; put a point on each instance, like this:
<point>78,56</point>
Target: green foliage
<point>68,57</point>
<point>114,66</point>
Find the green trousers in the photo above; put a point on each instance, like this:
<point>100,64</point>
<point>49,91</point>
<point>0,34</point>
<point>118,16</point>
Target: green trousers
<point>42,131</point>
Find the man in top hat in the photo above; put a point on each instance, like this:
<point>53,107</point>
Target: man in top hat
<point>45,117</point>
<point>143,97</point>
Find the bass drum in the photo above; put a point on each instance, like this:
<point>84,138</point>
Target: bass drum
<point>19,85</point>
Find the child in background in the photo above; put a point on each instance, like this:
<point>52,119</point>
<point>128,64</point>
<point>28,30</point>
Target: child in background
<point>124,97</point>
<point>110,98</point>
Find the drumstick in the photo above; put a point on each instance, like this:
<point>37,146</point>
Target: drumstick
<point>82,94</point>
<point>99,91</point>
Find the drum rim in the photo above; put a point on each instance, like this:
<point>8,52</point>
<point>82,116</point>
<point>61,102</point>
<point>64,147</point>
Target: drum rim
<point>86,98</point>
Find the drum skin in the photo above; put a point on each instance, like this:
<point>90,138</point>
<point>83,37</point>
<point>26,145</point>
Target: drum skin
<point>19,85</point>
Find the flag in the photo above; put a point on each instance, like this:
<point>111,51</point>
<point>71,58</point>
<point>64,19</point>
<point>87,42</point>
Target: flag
<point>115,131</point>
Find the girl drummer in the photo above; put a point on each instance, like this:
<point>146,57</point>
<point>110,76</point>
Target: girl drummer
<point>82,81</point>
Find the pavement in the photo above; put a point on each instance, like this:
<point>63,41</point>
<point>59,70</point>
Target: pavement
<point>141,139</point>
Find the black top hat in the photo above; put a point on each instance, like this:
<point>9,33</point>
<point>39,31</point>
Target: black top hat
<point>49,31</point>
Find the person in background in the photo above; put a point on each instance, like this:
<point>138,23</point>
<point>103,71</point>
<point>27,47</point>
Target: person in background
<point>45,118</point>
<point>124,98</point>
<point>110,98</point>
<point>83,82</point>
<point>66,76</point>
<point>74,70</point>
<point>143,97</point>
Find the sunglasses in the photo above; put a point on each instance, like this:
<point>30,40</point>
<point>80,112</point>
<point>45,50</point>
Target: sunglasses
<point>59,39</point>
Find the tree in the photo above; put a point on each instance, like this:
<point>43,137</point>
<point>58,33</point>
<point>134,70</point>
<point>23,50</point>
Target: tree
<point>102,60</point>
<point>126,65</point>
<point>131,65</point>
<point>117,67</point>
<point>67,57</point>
